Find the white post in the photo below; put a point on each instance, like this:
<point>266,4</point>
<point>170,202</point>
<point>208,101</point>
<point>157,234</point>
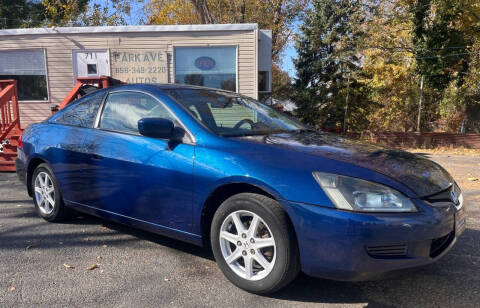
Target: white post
<point>420,105</point>
<point>346,104</point>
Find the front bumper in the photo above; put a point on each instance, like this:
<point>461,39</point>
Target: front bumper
<point>352,246</point>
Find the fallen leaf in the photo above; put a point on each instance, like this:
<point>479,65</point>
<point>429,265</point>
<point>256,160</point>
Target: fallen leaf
<point>92,267</point>
<point>101,271</point>
<point>473,179</point>
<point>30,246</point>
<point>166,279</point>
<point>68,266</point>
<point>12,288</point>
<point>99,257</point>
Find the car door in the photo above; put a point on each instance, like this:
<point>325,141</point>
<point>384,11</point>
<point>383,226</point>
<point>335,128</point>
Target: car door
<point>66,136</point>
<point>138,177</point>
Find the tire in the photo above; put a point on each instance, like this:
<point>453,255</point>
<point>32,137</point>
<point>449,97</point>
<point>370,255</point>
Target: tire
<point>280,263</point>
<point>51,209</point>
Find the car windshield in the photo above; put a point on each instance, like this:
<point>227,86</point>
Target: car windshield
<point>230,115</point>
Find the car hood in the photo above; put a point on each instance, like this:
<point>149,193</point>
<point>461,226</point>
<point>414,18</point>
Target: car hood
<point>421,175</point>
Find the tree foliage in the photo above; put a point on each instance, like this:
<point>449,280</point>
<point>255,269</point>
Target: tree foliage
<point>328,63</point>
<point>281,83</point>
<point>20,14</point>
<point>85,12</point>
<point>276,15</point>
<point>26,14</point>
<point>400,41</point>
<point>389,64</point>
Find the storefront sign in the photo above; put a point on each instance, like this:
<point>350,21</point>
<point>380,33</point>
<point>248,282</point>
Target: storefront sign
<point>139,66</point>
<point>204,63</point>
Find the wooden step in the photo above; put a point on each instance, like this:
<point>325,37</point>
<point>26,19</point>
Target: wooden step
<point>8,152</point>
<point>12,145</point>
<point>13,137</point>
<point>7,166</point>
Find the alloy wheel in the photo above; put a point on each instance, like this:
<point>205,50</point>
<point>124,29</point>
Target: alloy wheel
<point>44,193</point>
<point>247,245</point>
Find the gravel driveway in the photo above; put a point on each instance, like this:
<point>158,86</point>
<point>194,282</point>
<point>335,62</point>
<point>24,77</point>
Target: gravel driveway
<point>45,264</point>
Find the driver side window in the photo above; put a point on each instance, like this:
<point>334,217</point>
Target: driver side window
<point>123,110</point>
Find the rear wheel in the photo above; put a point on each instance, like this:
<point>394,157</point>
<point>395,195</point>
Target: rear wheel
<point>254,244</point>
<point>46,195</point>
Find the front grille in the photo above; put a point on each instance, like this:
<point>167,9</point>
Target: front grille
<point>387,251</point>
<point>440,244</point>
<point>445,197</point>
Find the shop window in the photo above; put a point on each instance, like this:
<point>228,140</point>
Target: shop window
<point>263,81</point>
<point>28,68</point>
<point>214,67</point>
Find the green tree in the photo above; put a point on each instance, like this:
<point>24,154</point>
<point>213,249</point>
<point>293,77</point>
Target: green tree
<point>328,64</point>
<point>20,14</point>
<point>85,12</point>
<point>439,45</point>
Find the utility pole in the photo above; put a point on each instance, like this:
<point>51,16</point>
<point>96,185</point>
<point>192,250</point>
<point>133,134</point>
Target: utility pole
<point>347,97</point>
<point>420,104</point>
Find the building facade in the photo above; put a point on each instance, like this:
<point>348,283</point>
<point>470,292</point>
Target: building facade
<point>47,61</point>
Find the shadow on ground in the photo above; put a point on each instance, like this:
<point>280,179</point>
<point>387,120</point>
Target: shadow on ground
<point>454,276</point>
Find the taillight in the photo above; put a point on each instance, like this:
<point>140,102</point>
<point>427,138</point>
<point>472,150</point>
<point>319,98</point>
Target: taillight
<point>20,141</point>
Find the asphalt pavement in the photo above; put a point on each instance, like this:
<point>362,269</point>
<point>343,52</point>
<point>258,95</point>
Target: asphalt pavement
<point>89,262</point>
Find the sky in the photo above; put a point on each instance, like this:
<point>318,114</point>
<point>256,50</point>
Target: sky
<point>287,64</point>
<point>137,13</point>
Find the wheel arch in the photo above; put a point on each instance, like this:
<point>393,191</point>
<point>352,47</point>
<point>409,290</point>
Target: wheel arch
<point>225,191</point>
<point>32,165</point>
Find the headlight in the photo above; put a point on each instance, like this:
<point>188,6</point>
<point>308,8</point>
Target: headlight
<point>354,194</point>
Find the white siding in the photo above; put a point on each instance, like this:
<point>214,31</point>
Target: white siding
<point>60,68</point>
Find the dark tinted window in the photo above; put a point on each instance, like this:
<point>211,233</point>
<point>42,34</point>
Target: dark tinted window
<point>83,112</point>
<point>123,110</point>
<point>28,68</point>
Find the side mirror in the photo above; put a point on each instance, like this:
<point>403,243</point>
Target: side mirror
<point>156,128</point>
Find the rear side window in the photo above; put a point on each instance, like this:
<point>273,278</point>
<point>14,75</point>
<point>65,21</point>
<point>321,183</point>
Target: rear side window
<point>123,110</point>
<point>83,112</point>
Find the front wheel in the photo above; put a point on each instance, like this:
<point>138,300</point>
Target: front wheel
<point>254,244</point>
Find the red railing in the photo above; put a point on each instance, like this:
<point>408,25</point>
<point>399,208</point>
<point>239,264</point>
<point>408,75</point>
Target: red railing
<point>9,111</point>
<point>100,82</point>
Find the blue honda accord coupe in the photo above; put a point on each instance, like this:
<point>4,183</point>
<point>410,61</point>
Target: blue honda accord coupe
<point>269,195</point>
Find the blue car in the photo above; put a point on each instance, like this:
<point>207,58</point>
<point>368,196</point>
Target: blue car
<point>271,196</point>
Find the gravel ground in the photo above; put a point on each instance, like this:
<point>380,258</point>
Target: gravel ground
<point>45,264</point>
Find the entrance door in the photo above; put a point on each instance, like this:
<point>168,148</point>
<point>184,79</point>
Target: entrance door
<point>90,63</point>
